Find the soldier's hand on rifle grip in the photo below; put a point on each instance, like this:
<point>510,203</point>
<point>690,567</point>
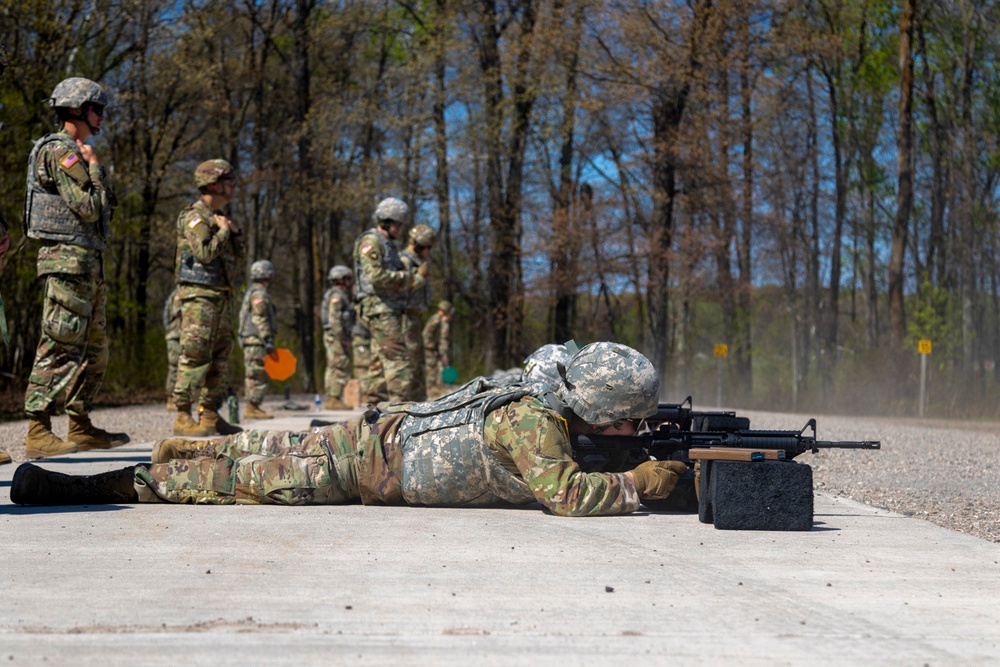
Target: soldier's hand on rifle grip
<point>654,480</point>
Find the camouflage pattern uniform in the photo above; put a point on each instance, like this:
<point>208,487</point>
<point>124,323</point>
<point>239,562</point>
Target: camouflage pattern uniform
<point>338,324</point>
<point>361,347</point>
<point>258,328</point>
<point>172,329</point>
<point>72,352</point>
<point>384,285</point>
<point>413,316</point>
<point>437,347</point>
<point>363,459</point>
<point>209,262</point>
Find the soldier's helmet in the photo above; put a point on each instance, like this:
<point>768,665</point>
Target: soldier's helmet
<point>391,210</point>
<point>210,171</point>
<point>422,235</point>
<point>605,382</point>
<point>74,92</point>
<point>339,272</point>
<point>262,269</point>
<point>542,365</point>
<point>445,306</point>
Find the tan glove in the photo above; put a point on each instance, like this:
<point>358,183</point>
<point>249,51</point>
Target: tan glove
<point>654,480</point>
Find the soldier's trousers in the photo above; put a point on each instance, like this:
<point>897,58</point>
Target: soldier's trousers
<point>206,343</point>
<point>390,366</point>
<point>338,365</point>
<point>326,466</point>
<point>256,378</point>
<point>173,356</point>
<point>413,332</point>
<point>362,348</point>
<point>72,352</point>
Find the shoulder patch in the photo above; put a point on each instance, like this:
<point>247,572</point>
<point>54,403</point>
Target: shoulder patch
<point>68,161</point>
<point>335,299</point>
<point>194,222</point>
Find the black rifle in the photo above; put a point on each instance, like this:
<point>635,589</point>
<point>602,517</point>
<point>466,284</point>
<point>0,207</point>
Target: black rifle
<point>676,429</point>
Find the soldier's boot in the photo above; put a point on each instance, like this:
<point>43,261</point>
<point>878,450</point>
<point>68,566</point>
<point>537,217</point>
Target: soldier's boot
<point>42,442</point>
<point>181,448</point>
<point>213,421</point>
<point>188,427</point>
<point>4,458</point>
<point>86,436</point>
<point>33,485</point>
<point>171,406</point>
<point>253,411</point>
<point>334,403</point>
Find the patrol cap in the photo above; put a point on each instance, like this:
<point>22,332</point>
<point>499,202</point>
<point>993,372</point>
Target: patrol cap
<point>422,235</point>
<point>262,269</point>
<point>605,382</point>
<point>211,171</point>
<point>339,272</point>
<point>74,92</point>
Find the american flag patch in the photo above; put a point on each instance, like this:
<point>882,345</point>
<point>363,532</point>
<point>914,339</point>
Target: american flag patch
<point>69,160</point>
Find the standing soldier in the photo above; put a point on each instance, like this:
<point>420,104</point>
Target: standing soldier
<point>68,208</point>
<point>338,324</point>
<point>4,245</point>
<point>384,286</point>
<point>172,329</point>
<point>209,256</point>
<point>258,329</point>
<point>437,347</point>
<point>361,342</point>
<point>415,255</point>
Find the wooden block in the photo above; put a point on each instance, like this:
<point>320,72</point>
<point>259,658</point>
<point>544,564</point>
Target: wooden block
<point>352,393</point>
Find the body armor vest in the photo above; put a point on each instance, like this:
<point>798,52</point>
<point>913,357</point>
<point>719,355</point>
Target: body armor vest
<point>247,327</point>
<point>47,216</point>
<point>446,460</point>
<point>346,313</point>
<point>390,260</point>
<point>190,270</point>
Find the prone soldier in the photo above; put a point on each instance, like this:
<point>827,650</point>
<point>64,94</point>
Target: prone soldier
<point>68,208</point>
<point>258,329</point>
<point>338,323</point>
<point>209,257</point>
<point>505,446</point>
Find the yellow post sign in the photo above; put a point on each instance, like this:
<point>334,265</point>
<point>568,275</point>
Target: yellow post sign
<point>924,346</point>
<point>721,350</point>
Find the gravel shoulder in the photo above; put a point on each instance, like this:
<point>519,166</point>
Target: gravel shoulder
<point>944,472</point>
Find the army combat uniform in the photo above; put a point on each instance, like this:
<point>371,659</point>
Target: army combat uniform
<point>505,446</point>
<point>338,324</point>
<point>172,334</point>
<point>68,207</point>
<point>258,328</point>
<point>209,260</point>
<point>384,286</point>
<point>417,304</point>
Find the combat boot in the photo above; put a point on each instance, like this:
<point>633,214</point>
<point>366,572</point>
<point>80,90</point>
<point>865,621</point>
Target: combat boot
<point>42,442</point>
<point>4,458</point>
<point>33,485</point>
<point>86,436</point>
<point>213,421</point>
<point>188,427</point>
<point>333,403</point>
<point>171,406</point>
<point>254,412</point>
<point>181,448</point>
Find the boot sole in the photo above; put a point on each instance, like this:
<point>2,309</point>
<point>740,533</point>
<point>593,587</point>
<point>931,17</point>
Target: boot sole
<point>35,454</point>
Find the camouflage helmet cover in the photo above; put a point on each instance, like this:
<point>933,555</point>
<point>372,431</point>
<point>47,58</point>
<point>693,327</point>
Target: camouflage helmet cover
<point>339,272</point>
<point>391,210</point>
<point>74,92</point>
<point>262,269</point>
<point>422,235</point>
<point>210,171</point>
<point>604,382</point>
<point>541,365</point>
<point>445,306</point>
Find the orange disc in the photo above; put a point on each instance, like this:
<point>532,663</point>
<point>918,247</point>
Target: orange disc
<point>281,368</point>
